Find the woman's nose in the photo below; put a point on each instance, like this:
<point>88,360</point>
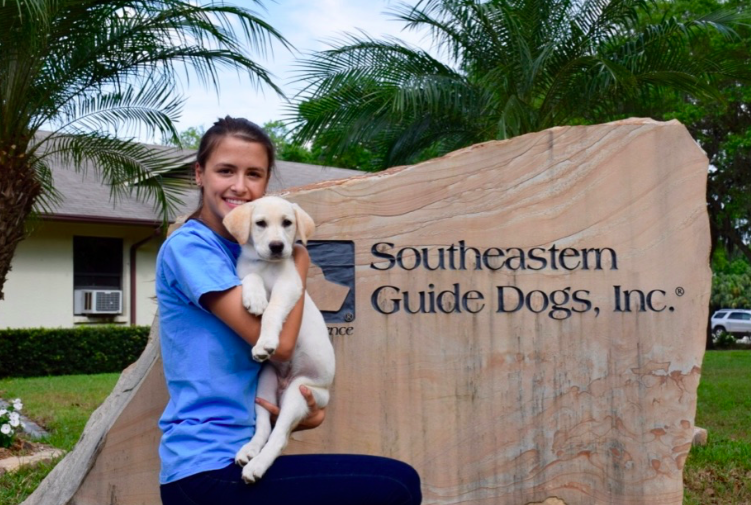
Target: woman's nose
<point>238,184</point>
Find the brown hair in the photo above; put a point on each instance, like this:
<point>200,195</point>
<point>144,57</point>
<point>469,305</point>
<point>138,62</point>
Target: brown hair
<point>232,127</point>
<point>235,127</point>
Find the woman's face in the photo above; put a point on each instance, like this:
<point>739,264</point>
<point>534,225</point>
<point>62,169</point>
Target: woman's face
<point>236,172</point>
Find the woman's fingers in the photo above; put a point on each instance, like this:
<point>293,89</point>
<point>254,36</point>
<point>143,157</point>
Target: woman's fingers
<point>309,398</point>
<point>315,416</point>
<point>273,409</point>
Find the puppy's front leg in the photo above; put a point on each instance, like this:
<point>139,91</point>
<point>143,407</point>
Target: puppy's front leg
<point>254,294</point>
<point>286,292</point>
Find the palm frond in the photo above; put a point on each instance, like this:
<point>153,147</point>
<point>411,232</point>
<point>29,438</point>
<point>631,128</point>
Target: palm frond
<point>49,197</point>
<point>155,174</point>
<point>152,106</point>
<point>362,87</point>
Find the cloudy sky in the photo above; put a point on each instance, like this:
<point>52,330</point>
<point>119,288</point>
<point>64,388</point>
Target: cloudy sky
<point>309,25</point>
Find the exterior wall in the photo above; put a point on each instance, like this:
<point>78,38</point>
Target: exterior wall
<point>145,276</point>
<point>39,288</point>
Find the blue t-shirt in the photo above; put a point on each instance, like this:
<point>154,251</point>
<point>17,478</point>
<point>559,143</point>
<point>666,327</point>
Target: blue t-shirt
<point>211,378</point>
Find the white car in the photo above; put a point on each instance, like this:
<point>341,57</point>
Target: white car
<point>735,321</point>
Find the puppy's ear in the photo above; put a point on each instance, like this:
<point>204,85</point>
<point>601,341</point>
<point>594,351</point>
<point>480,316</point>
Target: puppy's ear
<point>305,224</point>
<point>238,221</point>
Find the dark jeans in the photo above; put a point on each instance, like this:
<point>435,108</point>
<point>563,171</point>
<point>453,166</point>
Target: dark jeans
<point>314,479</point>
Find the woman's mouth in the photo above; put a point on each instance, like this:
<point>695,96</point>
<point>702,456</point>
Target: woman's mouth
<point>234,202</point>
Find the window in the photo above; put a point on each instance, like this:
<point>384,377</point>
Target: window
<point>743,316</point>
<point>97,263</point>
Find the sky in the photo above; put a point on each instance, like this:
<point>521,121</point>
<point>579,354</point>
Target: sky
<point>310,25</point>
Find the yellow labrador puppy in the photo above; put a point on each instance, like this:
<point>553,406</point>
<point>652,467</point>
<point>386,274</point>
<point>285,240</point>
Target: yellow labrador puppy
<point>267,229</point>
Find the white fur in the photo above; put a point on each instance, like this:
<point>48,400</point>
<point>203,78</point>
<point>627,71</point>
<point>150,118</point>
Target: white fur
<point>272,287</point>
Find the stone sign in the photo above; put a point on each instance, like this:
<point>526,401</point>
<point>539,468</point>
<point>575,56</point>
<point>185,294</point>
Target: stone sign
<point>521,321</point>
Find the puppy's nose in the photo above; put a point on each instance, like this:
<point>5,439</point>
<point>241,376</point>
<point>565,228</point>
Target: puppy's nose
<point>276,248</point>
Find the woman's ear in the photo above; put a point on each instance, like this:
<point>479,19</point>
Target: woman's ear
<point>238,221</point>
<point>198,175</point>
<point>305,224</point>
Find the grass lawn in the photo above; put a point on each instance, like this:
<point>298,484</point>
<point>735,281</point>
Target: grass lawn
<point>719,473</point>
<point>61,405</point>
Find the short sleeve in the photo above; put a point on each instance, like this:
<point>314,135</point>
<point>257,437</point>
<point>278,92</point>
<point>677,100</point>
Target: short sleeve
<point>193,265</point>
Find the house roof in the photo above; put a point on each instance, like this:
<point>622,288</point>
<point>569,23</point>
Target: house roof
<point>87,199</point>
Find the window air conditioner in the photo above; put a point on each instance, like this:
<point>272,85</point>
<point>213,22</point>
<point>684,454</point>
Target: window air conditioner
<point>97,301</point>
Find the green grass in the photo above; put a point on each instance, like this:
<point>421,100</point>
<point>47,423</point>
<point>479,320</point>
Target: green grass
<point>724,405</point>
<point>61,405</point>
<point>17,486</point>
<point>719,473</point>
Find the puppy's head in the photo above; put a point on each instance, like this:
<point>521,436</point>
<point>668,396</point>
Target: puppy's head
<point>271,224</point>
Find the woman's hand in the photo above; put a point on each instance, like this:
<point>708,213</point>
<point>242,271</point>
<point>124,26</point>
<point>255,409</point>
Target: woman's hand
<point>315,416</point>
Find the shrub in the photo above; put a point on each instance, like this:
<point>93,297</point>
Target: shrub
<point>725,339</point>
<point>65,351</point>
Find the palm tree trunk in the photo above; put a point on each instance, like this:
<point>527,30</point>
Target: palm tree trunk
<point>19,189</point>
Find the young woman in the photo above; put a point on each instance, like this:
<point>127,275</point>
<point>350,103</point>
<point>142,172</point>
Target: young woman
<point>206,337</point>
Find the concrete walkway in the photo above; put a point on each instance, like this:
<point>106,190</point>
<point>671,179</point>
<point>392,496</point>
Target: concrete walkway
<point>14,462</point>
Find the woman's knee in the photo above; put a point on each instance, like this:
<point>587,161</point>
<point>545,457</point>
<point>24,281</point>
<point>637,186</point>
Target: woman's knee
<point>407,491</point>
<point>412,482</point>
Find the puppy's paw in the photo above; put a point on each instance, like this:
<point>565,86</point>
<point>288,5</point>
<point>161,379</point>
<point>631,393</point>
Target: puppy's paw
<point>266,346</point>
<point>254,470</point>
<point>263,350</point>
<point>247,453</point>
<point>255,301</point>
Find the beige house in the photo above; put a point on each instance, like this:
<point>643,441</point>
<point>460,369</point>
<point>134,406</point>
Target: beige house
<point>92,260</point>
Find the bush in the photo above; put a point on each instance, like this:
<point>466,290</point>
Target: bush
<point>731,282</point>
<point>724,339</point>
<point>34,352</point>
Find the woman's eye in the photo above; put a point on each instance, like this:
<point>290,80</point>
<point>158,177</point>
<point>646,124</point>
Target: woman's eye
<point>286,223</point>
<point>261,224</point>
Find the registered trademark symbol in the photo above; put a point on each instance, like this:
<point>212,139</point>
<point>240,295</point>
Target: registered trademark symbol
<point>349,317</point>
<point>680,291</point>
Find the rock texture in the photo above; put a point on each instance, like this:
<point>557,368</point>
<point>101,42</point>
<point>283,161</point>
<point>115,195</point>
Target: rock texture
<point>528,326</point>
<point>700,436</point>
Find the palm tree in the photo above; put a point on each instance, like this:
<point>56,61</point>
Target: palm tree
<point>83,69</point>
<point>504,68</point>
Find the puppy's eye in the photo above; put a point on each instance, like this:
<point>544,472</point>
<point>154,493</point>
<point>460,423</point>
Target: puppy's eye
<point>261,224</point>
<point>286,223</point>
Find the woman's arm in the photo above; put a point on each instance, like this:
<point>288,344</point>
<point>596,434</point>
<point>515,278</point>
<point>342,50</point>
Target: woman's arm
<point>227,306</point>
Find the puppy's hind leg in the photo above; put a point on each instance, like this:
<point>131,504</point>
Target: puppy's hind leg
<point>267,388</point>
<point>293,409</point>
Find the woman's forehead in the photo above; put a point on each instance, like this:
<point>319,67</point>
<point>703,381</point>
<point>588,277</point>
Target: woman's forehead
<point>240,152</point>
